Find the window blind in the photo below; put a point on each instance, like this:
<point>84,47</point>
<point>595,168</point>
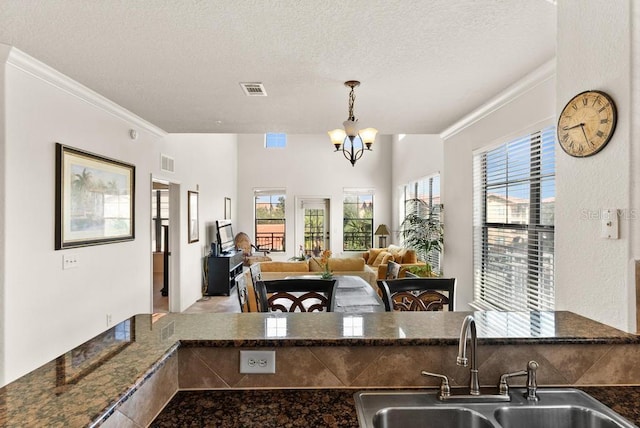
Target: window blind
<point>513,222</point>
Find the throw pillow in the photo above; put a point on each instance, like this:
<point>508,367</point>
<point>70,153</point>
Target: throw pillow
<point>395,252</point>
<point>383,257</point>
<point>410,257</point>
<point>373,254</point>
<point>393,249</point>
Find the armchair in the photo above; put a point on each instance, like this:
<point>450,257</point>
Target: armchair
<point>243,243</point>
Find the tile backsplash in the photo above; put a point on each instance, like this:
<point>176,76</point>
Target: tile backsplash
<point>400,366</point>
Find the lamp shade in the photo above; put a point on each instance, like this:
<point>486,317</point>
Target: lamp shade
<point>337,137</point>
<point>350,127</point>
<point>382,230</point>
<point>368,136</point>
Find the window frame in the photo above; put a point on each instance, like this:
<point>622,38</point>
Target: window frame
<point>259,241</point>
<point>275,140</point>
<point>367,221</point>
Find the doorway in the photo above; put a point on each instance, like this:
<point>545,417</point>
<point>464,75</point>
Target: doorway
<point>160,203</point>
<point>313,230</point>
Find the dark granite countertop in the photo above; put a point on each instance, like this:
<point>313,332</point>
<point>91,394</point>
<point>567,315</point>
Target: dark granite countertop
<point>61,394</point>
<point>316,408</point>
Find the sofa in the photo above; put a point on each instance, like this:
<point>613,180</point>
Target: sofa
<point>377,259</point>
<point>339,266</point>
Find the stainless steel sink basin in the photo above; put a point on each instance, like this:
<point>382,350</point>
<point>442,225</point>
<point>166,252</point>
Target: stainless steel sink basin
<point>553,417</point>
<point>556,408</point>
<point>429,417</point>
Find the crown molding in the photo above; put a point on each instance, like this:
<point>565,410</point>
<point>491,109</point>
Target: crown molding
<point>20,60</point>
<point>540,75</point>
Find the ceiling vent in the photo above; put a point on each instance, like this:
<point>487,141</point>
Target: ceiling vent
<point>167,163</point>
<point>253,89</point>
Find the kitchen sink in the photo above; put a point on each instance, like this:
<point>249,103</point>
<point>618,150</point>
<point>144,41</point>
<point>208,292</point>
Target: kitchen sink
<point>429,417</point>
<point>543,416</point>
<point>555,408</point>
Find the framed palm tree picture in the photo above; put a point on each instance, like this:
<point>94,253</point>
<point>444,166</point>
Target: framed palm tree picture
<point>95,199</point>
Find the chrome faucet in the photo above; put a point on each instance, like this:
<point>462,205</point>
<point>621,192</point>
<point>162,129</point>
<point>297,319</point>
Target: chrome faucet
<point>532,383</point>
<point>469,327</point>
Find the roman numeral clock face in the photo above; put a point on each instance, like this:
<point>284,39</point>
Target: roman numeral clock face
<point>587,123</point>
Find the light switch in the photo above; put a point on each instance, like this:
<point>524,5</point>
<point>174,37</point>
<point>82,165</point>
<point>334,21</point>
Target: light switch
<point>609,223</point>
<point>70,261</point>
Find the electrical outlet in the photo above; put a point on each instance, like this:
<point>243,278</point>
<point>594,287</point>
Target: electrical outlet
<point>257,361</point>
<point>109,320</point>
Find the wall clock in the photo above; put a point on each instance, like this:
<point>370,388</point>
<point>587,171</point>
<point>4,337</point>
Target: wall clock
<point>587,123</point>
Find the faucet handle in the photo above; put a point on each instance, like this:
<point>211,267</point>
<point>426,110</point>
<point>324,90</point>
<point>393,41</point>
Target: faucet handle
<point>532,384</point>
<point>445,390</point>
<point>503,386</point>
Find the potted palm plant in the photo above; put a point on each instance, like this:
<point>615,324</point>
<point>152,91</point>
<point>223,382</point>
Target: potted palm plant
<point>422,231</point>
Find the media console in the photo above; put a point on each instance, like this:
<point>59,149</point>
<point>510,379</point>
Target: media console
<point>222,272</point>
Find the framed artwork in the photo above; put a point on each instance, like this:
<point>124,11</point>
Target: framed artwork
<point>79,362</point>
<point>95,199</point>
<point>227,208</point>
<point>194,229</point>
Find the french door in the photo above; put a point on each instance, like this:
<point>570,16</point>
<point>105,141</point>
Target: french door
<point>312,226</point>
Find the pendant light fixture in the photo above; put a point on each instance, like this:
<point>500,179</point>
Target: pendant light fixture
<point>351,141</point>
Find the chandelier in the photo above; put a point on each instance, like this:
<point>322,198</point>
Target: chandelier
<point>351,141</point>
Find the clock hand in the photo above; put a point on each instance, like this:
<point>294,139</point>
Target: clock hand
<point>566,128</point>
<point>585,135</point>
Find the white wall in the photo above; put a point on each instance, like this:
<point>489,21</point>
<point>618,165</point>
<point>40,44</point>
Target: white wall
<point>47,311</point>
<point>205,163</point>
<point>309,167</point>
<point>524,107</point>
<point>413,157</point>
<point>595,276</point>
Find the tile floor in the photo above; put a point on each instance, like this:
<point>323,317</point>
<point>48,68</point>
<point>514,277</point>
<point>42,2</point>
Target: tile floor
<point>215,304</point>
<point>205,304</point>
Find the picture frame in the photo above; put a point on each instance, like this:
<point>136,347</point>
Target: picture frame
<point>227,208</point>
<point>95,199</point>
<point>192,214</point>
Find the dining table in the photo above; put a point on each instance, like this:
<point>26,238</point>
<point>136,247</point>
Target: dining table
<point>352,294</point>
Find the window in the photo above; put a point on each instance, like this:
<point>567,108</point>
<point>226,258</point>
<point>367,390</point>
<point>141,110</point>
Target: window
<point>514,197</point>
<point>273,140</point>
<point>422,199</point>
<point>270,220</point>
<point>357,225</point>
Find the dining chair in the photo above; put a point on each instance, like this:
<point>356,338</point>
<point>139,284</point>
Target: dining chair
<point>256,275</point>
<point>295,295</point>
<point>243,293</point>
<point>418,294</point>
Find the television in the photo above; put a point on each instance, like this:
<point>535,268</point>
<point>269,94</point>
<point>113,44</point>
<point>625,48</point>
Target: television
<point>224,235</point>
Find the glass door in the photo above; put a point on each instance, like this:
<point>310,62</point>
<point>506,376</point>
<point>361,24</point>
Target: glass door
<point>313,231</point>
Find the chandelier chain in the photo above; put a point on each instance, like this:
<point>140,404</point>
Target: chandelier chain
<point>352,99</point>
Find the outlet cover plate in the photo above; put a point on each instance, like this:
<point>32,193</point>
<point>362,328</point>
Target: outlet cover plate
<point>258,362</point>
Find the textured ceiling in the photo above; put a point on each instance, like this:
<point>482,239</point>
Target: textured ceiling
<point>178,64</point>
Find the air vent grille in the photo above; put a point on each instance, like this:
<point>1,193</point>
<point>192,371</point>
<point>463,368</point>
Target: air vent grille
<point>253,89</point>
<point>167,163</point>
